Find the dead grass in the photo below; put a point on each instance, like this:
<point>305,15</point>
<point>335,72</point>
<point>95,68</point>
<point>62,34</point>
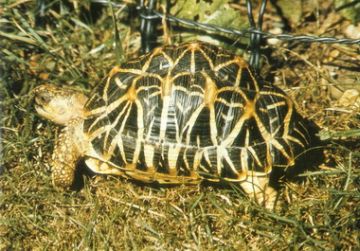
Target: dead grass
<point>68,46</point>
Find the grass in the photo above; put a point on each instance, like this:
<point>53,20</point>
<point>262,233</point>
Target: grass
<point>73,45</point>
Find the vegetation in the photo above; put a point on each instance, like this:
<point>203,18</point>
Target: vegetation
<point>71,43</point>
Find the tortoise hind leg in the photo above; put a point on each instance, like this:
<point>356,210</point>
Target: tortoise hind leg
<point>65,157</point>
<point>257,188</point>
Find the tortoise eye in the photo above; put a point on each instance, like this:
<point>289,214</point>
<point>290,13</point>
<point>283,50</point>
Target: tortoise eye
<point>42,98</point>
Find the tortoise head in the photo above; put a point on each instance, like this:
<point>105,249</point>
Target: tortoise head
<point>59,105</point>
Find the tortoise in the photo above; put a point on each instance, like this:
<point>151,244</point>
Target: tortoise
<point>178,115</point>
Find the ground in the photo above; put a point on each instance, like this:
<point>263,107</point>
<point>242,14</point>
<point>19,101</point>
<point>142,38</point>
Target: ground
<point>71,44</point>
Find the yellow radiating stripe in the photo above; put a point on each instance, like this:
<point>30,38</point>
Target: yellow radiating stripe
<point>105,90</point>
<point>187,165</point>
<point>140,132</point>
<point>206,156</point>
<point>166,91</point>
<point>273,119</point>
<point>244,158</point>
<point>148,88</point>
<point>213,128</point>
<point>275,105</point>
<point>138,72</point>
<point>293,139</point>
<point>219,157</point>
<point>181,88</point>
<point>227,117</point>
<point>181,74</point>
<point>158,93</point>
<point>113,71</point>
<point>120,133</point>
<point>249,111</point>
<point>133,71</point>
<point>173,155</point>
<point>302,135</point>
<point>207,58</point>
<point>149,152</point>
<point>110,150</point>
<point>154,53</point>
<point>269,160</point>
<point>150,125</point>
<point>226,103</point>
<point>269,138</point>
<point>306,131</point>
<point>236,60</point>
<point>288,117</point>
<point>274,132</point>
<point>169,59</point>
<point>166,86</point>
<point>272,93</point>
<point>254,154</point>
<point>181,56</point>
<point>210,94</point>
<point>117,141</point>
<point>177,131</point>
<point>198,141</point>
<point>233,89</point>
<point>107,109</point>
<point>192,61</point>
<point>164,117</point>
<point>229,140</point>
<point>180,107</point>
<point>97,132</point>
<point>247,137</point>
<point>257,89</point>
<point>130,95</point>
<point>190,123</point>
<point>120,84</point>
<point>238,77</point>
<point>120,144</point>
<point>197,159</point>
<point>226,156</point>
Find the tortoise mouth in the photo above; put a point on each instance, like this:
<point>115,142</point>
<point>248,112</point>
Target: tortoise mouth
<point>39,108</point>
<point>47,113</point>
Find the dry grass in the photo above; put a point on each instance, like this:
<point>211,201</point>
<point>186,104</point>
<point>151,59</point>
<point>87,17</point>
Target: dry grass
<point>72,48</point>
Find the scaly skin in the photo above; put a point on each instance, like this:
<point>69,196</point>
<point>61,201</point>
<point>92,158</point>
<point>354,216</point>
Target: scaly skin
<point>64,107</point>
<point>65,156</point>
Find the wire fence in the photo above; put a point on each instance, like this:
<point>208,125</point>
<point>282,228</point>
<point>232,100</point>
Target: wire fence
<point>151,14</point>
<point>150,17</point>
<point>246,32</point>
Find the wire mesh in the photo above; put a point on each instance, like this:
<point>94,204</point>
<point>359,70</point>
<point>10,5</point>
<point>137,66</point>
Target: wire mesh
<point>145,13</point>
<point>247,32</point>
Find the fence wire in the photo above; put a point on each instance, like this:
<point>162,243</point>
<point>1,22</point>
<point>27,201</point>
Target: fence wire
<point>147,14</point>
<point>247,32</point>
<point>255,38</point>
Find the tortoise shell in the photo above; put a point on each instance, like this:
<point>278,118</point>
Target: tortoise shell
<point>191,112</point>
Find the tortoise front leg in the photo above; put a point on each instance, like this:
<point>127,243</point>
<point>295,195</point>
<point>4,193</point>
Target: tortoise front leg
<point>65,157</point>
<point>257,188</point>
